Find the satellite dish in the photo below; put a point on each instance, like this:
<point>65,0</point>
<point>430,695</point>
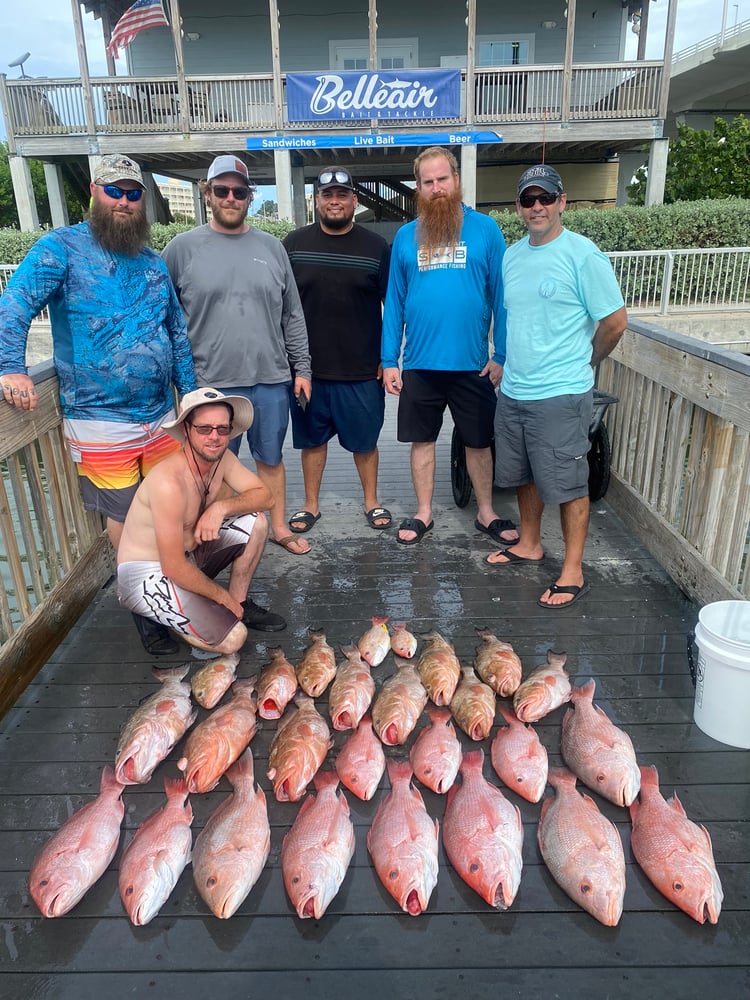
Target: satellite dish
<point>20,61</point>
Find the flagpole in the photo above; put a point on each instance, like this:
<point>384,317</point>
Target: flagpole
<point>182,90</point>
<point>83,63</point>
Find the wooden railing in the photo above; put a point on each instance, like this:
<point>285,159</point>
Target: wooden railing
<point>241,103</point>
<point>55,555</point>
<point>680,438</point>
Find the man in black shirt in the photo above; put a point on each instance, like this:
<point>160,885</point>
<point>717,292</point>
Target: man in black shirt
<point>341,270</point>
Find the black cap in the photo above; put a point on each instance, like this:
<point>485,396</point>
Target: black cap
<point>334,177</point>
<point>543,176</point>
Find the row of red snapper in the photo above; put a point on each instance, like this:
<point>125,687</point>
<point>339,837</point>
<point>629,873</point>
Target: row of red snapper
<point>482,830</point>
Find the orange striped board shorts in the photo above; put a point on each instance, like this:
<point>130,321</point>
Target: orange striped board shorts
<point>112,458</point>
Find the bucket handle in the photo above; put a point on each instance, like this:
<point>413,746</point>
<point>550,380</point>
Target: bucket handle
<point>691,663</point>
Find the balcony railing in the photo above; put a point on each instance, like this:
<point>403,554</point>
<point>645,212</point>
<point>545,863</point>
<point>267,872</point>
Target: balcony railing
<point>247,103</point>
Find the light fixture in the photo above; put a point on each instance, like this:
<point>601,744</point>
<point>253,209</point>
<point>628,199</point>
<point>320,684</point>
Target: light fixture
<point>192,36</point>
<point>548,25</point>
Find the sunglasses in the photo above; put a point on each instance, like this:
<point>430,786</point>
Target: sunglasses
<point>529,200</point>
<point>222,191</point>
<point>335,176</point>
<point>223,430</point>
<point>115,192</point>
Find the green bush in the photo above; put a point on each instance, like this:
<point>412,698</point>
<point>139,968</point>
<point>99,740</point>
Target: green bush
<point>14,245</point>
<point>684,225</point>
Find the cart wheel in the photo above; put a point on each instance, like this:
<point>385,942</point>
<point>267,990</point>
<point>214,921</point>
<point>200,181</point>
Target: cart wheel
<point>599,463</point>
<point>460,480</point>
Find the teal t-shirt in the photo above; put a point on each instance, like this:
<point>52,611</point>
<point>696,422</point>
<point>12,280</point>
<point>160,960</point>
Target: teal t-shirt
<point>554,296</point>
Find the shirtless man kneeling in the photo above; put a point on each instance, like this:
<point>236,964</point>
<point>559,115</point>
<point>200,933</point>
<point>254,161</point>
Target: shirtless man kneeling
<point>196,512</point>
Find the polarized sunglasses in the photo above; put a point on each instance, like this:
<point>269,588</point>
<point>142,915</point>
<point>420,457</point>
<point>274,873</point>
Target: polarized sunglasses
<point>222,191</point>
<point>529,200</point>
<point>223,430</point>
<point>335,177</point>
<point>115,192</point>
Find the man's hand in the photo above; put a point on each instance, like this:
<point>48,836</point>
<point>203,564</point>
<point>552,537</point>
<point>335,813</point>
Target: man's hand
<point>392,381</point>
<point>495,372</point>
<point>209,523</point>
<point>234,606</point>
<point>302,385</point>
<point>19,391</point>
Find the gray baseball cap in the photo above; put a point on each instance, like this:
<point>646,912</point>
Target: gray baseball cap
<point>116,167</point>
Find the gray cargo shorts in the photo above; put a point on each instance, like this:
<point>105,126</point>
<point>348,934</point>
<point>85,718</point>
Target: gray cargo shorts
<point>544,441</point>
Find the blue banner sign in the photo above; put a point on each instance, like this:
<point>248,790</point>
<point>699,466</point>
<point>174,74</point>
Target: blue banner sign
<point>372,139</point>
<point>390,95</point>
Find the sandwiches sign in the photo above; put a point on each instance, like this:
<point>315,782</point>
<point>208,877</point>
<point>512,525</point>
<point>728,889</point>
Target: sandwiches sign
<point>390,95</point>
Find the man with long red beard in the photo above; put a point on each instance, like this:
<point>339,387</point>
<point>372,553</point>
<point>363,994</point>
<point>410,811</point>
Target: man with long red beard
<point>119,346</point>
<point>444,290</point>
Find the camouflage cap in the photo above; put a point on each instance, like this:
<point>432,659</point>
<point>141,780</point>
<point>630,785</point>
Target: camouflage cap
<point>116,167</point>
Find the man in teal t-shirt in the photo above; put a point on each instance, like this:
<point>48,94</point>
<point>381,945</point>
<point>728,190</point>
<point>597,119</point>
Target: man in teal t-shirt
<point>565,313</point>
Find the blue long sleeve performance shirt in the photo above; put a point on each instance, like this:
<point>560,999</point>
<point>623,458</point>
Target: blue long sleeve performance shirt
<point>118,331</point>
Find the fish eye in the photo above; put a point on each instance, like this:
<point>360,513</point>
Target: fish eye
<point>45,881</point>
<point>585,888</point>
<point>519,779</point>
<point>211,881</point>
<point>474,867</point>
<point>428,770</point>
<point>601,778</point>
<point>129,891</point>
<point>393,874</point>
<point>295,880</point>
<point>677,886</point>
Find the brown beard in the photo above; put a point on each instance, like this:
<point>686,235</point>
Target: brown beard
<point>440,220</point>
<point>125,236</point>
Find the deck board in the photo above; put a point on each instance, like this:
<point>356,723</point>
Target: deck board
<point>630,634</point>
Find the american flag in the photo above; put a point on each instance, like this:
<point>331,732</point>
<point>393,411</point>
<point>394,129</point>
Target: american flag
<point>143,14</point>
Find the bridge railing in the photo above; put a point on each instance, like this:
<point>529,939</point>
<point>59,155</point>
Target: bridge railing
<point>680,437</point>
<point>53,554</point>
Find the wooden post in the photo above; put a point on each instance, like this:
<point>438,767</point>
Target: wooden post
<point>567,80</point>
<point>278,102</point>
<point>83,64</point>
<point>182,90</point>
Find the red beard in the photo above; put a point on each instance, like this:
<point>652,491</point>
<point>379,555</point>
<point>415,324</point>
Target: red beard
<point>440,219</point>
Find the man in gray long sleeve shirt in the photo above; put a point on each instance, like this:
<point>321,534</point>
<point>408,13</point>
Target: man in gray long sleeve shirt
<point>245,323</point>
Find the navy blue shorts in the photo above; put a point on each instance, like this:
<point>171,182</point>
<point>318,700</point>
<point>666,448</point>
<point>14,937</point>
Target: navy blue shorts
<point>352,410</point>
<point>270,420</point>
<point>469,396</point>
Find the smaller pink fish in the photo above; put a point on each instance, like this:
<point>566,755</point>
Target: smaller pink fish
<point>351,691</point>
<point>277,685</point>
<point>544,690</point>
<point>216,743</point>
<point>375,643</point>
<point>436,753</point>
<point>317,668</point>
<point>360,763</point>
<point>473,705</point>
<point>597,751</point>
<point>438,668</point>
<point>403,643</point>
<point>398,704</point>
<point>518,757</point>
<point>210,683</point>
<point>157,855</point>
<point>297,750</point>
<point>78,854</point>
<point>497,664</point>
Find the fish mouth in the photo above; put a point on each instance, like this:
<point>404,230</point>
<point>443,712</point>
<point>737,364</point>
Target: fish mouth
<point>497,898</point>
<point>412,904</point>
<point>343,721</point>
<point>271,709</point>
<point>229,904</point>
<point>59,904</point>
<point>709,911</point>
<point>390,735</point>
<point>310,906</point>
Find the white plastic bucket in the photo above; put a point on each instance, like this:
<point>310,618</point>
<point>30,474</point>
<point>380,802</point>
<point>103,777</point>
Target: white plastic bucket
<point>722,683</point>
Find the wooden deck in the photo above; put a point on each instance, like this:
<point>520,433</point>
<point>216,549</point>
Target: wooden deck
<point>629,634</point>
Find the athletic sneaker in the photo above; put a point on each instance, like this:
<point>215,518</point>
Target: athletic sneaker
<point>261,619</point>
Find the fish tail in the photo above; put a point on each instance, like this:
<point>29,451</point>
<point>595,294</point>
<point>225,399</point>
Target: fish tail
<point>583,693</point>
<point>163,674</point>
<point>472,760</point>
<point>399,770</point>
<point>379,621</point>
<point>325,779</point>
